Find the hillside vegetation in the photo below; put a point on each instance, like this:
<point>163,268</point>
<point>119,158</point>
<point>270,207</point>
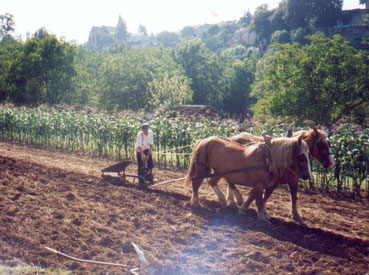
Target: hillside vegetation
<point>322,79</point>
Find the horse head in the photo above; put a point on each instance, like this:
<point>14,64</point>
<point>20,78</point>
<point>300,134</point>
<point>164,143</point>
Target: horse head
<point>291,154</point>
<point>320,148</point>
<point>301,155</point>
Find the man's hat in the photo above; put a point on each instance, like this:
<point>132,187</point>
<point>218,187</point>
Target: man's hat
<point>145,126</point>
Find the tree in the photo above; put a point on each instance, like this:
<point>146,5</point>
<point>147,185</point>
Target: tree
<point>276,19</point>
<point>238,77</point>
<point>245,20</point>
<point>169,91</point>
<point>188,32</point>
<point>121,33</point>
<point>7,24</point>
<point>312,13</point>
<point>281,37</point>
<point>214,30</point>
<point>218,37</point>
<point>142,30</point>
<point>298,35</point>
<point>167,39</point>
<point>230,55</point>
<point>323,81</point>
<point>86,80</point>
<point>9,48</point>
<point>124,77</point>
<point>203,68</point>
<point>42,71</point>
<point>261,23</point>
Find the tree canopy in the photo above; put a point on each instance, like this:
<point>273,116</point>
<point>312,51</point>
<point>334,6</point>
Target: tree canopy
<point>314,13</point>
<point>204,70</point>
<point>42,71</point>
<point>125,77</point>
<point>323,81</point>
<point>7,24</point>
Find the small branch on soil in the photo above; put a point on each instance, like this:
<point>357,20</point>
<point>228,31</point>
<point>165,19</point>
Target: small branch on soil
<point>85,261</point>
<point>167,181</point>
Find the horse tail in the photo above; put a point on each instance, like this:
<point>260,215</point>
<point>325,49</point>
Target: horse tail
<point>192,169</point>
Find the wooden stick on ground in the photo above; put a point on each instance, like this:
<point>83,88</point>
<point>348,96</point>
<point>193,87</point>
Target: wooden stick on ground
<point>166,182</point>
<point>82,260</point>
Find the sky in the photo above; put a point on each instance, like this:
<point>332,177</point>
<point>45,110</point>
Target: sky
<point>73,19</point>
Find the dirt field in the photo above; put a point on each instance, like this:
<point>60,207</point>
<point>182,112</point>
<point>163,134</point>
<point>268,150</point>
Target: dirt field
<point>59,200</point>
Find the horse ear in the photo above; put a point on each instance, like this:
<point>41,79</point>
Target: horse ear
<point>267,139</point>
<point>315,130</point>
<point>289,133</point>
<point>299,141</point>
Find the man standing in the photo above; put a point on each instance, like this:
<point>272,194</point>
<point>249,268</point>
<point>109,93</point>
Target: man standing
<point>144,142</point>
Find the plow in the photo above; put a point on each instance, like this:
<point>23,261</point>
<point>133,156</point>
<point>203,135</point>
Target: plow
<point>145,176</point>
<point>120,169</point>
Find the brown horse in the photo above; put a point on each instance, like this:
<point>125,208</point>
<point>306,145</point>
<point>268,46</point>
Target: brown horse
<point>318,148</point>
<point>240,165</point>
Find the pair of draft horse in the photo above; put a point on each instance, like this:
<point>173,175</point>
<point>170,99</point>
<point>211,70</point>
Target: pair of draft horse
<point>258,162</point>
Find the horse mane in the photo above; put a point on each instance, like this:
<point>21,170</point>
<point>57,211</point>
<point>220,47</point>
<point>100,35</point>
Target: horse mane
<point>281,153</point>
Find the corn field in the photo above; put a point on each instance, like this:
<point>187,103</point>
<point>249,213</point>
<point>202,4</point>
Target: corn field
<point>99,134</point>
<point>113,136</point>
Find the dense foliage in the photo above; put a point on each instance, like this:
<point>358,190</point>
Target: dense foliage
<point>45,69</point>
<point>204,69</point>
<point>279,24</point>
<point>41,71</point>
<point>323,81</point>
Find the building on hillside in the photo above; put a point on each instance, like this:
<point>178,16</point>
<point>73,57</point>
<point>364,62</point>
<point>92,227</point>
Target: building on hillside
<point>102,38</point>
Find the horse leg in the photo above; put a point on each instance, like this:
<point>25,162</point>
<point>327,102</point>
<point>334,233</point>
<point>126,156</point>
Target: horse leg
<point>237,194</point>
<point>267,194</point>
<point>249,200</point>
<point>214,184</point>
<point>260,206</point>
<point>295,214</point>
<point>195,192</point>
<point>230,195</point>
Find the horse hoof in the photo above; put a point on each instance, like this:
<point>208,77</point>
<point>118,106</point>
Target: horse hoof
<point>264,220</point>
<point>196,204</point>
<point>223,203</point>
<point>298,219</point>
<point>267,216</point>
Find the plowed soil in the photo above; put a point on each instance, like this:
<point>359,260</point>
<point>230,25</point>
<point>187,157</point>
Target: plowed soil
<point>59,200</point>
